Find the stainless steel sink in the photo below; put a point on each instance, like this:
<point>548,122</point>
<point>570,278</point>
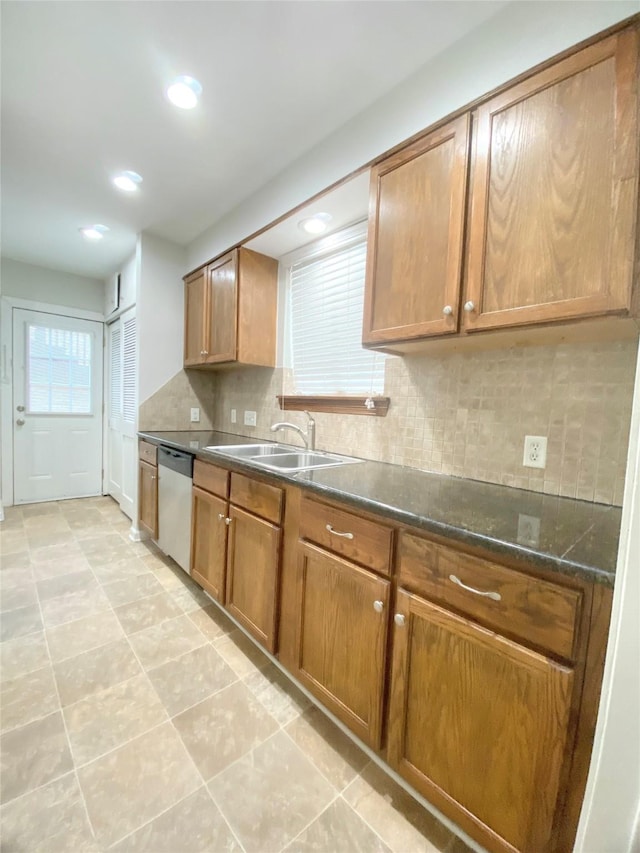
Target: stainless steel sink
<point>281,457</point>
<point>242,451</point>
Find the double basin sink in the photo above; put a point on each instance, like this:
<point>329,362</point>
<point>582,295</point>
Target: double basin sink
<point>282,457</point>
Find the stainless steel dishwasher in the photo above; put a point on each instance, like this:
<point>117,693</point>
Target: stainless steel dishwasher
<point>175,479</point>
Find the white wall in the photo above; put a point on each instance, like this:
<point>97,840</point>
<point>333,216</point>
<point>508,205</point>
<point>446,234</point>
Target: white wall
<point>128,286</point>
<point>160,313</point>
<point>39,284</point>
<point>512,41</point>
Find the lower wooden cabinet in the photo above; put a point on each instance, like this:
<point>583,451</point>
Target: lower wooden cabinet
<point>478,724</point>
<point>148,498</point>
<point>209,542</point>
<point>342,638</point>
<point>253,572</point>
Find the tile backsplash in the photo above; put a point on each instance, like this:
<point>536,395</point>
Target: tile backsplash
<point>461,414</point>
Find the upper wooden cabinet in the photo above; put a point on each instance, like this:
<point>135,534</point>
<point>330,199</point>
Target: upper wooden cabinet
<point>230,311</point>
<point>554,192</point>
<point>416,225</point>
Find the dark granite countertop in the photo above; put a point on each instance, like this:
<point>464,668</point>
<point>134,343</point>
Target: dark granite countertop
<point>572,537</point>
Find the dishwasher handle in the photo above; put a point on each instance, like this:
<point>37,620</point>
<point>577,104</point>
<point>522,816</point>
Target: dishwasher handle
<point>176,460</point>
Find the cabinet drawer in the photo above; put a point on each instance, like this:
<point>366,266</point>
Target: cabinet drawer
<point>148,452</point>
<point>259,498</point>
<point>211,478</point>
<point>363,541</point>
<point>535,610</point>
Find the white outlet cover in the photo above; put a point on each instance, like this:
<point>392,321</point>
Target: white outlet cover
<point>249,418</point>
<point>535,451</point>
<point>195,416</point>
<point>528,530</point>
<point>234,416</point>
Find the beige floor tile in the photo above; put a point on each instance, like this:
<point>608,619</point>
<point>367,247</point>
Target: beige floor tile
<point>191,678</point>
<point>168,577</point>
<point>166,641</point>
<point>212,742</point>
<point>141,614</point>
<point>136,783</point>
<point>335,755</point>
<point>275,691</point>
<point>242,655</point>
<point>102,543</point>
<point>59,567</point>
<point>132,589</point>
<point>28,698</point>
<point>14,597</point>
<point>52,819</point>
<point>56,553</point>
<point>74,605</point>
<point>338,829</point>
<point>18,623</point>
<point>190,599</point>
<point>81,520</point>
<point>105,720</point>
<point>212,621</point>
<point>13,542</point>
<point>36,525</point>
<point>399,819</point>
<point>47,508</point>
<point>117,568</point>
<point>193,825</point>
<point>26,654</point>
<point>284,789</point>
<point>73,638</point>
<point>33,755</point>
<point>17,560</point>
<point>95,670</point>
<point>63,584</point>
<point>48,538</point>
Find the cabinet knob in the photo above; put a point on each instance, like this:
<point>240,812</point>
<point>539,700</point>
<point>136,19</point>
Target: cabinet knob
<point>469,306</point>
<point>228,521</point>
<point>154,477</point>
<point>447,310</point>
<point>221,516</point>
<point>378,606</point>
<point>399,619</point>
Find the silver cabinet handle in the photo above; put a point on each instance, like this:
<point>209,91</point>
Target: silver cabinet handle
<point>469,306</point>
<point>378,606</point>
<point>20,421</point>
<point>221,516</point>
<point>337,532</point>
<point>494,595</point>
<point>399,619</point>
<point>447,310</point>
<point>228,521</point>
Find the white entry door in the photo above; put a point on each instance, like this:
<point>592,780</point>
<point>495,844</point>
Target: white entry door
<point>122,456</point>
<point>57,406</point>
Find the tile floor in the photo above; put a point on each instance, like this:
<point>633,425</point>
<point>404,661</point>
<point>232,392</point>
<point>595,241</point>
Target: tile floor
<point>136,717</point>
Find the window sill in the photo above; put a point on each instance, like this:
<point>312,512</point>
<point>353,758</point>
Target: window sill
<point>377,408</point>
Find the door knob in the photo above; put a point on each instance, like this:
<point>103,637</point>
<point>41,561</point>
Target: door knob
<point>469,306</point>
<point>20,421</point>
<point>378,606</point>
<point>399,619</point>
<point>447,310</point>
<point>19,408</point>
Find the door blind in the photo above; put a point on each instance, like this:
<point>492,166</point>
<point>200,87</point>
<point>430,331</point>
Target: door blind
<point>327,301</point>
<point>129,392</point>
<point>58,371</point>
<point>115,373</point>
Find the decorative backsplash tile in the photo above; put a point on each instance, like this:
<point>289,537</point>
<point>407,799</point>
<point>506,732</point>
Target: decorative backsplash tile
<point>462,414</point>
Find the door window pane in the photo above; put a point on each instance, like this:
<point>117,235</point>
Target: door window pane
<point>58,371</point>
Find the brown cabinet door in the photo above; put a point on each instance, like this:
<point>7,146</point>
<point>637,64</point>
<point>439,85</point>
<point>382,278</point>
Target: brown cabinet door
<point>478,724</point>
<point>554,192</point>
<point>253,574</point>
<point>342,638</point>
<point>194,316</point>
<point>416,224</point>
<point>148,498</point>
<point>221,310</point>
<point>209,542</point>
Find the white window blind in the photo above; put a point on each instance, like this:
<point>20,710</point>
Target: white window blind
<point>326,306</point>
<point>115,372</point>
<point>129,393</point>
<point>58,371</point>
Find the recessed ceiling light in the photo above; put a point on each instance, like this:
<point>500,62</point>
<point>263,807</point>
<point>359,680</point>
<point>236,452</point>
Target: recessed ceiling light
<point>315,224</point>
<point>184,92</point>
<point>127,181</point>
<point>93,232</point>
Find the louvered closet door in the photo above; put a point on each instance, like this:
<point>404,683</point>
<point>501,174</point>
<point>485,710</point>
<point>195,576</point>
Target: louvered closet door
<point>122,411</point>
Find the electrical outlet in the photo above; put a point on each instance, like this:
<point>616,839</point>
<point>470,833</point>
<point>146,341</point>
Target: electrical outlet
<point>195,416</point>
<point>249,418</point>
<point>234,416</point>
<point>528,530</point>
<point>535,451</point>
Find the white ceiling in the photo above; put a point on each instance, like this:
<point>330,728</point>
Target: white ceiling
<point>83,97</point>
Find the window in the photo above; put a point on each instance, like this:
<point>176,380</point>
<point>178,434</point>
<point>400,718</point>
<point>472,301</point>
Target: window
<point>324,329</point>
<point>58,371</point>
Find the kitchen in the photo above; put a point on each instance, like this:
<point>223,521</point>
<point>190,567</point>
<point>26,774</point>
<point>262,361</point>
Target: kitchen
<point>417,387</point>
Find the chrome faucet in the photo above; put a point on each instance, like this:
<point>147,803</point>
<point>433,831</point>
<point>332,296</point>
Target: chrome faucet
<point>308,435</point>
